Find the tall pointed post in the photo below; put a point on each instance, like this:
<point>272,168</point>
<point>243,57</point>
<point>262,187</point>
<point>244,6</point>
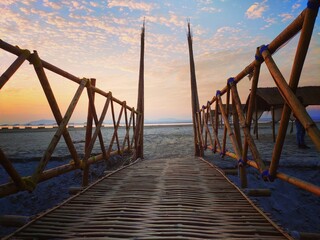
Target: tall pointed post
<point>198,149</point>
<point>140,102</point>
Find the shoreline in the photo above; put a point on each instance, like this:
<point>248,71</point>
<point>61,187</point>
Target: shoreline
<point>292,208</point>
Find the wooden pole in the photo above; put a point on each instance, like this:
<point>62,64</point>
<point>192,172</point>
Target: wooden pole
<point>11,188</point>
<point>273,125</point>
<point>207,115</point>
<point>14,67</point>
<point>115,127</point>
<point>225,128</point>
<point>216,122</point>
<point>140,103</point>
<point>252,100</point>
<point>198,150</point>
<point>95,117</point>
<point>92,82</point>
<point>236,126</point>
<point>242,169</point>
<point>62,128</point>
<point>290,31</point>
<point>216,138</point>
<point>15,176</point>
<point>245,128</point>
<point>200,137</point>
<point>128,126</point>
<point>36,61</point>
<point>85,165</point>
<point>85,171</point>
<point>302,48</point>
<point>115,132</point>
<point>291,99</point>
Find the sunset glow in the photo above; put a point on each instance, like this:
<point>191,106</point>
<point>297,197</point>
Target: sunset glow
<point>101,39</point>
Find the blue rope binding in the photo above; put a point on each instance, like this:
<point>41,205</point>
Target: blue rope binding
<point>230,81</point>
<point>263,48</point>
<point>241,163</point>
<point>312,5</point>
<point>218,93</point>
<point>266,176</point>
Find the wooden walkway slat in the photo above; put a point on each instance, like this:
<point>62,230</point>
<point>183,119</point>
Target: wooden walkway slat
<point>158,199</point>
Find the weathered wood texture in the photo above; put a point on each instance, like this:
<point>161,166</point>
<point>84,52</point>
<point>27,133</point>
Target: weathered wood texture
<point>162,199</point>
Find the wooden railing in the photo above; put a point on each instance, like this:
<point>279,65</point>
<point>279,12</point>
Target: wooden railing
<point>131,119</point>
<point>206,121</point>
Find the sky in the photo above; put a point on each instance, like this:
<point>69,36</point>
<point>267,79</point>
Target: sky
<point>101,39</point>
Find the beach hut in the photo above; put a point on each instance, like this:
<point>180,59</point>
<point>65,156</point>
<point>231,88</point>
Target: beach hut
<point>270,99</point>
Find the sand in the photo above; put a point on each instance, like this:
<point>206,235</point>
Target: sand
<point>294,209</point>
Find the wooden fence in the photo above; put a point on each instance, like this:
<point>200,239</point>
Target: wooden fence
<point>206,123</point>
<point>133,121</point>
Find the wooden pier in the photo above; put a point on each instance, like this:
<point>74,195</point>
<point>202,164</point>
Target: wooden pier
<point>179,198</point>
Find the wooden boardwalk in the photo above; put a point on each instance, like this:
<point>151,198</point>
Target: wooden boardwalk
<point>165,198</point>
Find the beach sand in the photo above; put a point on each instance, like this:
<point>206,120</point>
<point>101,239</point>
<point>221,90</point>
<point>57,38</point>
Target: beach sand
<point>290,207</point>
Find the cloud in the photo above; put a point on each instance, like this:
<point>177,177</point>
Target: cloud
<point>51,4</point>
<point>296,5</point>
<point>286,17</point>
<point>270,22</point>
<point>256,10</point>
<point>132,5</point>
<point>210,9</point>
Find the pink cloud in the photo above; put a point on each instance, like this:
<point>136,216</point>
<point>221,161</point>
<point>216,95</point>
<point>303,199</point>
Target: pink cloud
<point>256,10</point>
<point>132,5</point>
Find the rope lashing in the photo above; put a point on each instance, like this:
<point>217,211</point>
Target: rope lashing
<point>231,81</point>
<point>222,154</point>
<point>266,176</point>
<point>263,48</point>
<point>258,58</point>
<point>241,163</point>
<point>218,93</point>
<point>203,107</point>
<point>312,5</point>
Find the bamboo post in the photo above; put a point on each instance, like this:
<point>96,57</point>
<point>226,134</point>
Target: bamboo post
<point>115,126</point>
<point>252,100</point>
<point>133,139</point>
<point>198,150</point>
<point>291,99</point>
<point>216,138</point>
<point>85,165</point>
<point>14,67</point>
<point>95,117</point>
<point>242,170</point>
<point>128,126</point>
<point>15,176</point>
<point>62,127</point>
<point>203,129</point>
<point>225,128</point>
<point>200,137</point>
<point>236,126</point>
<point>85,171</point>
<point>302,48</point>
<point>256,125</point>
<point>91,82</point>
<point>207,127</point>
<point>36,61</point>
<point>273,125</point>
<point>140,103</point>
<point>10,188</point>
<point>245,128</point>
<point>115,132</point>
<point>216,121</point>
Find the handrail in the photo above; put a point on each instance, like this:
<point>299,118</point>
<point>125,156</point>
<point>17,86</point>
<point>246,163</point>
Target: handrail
<point>304,23</point>
<point>130,144</point>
